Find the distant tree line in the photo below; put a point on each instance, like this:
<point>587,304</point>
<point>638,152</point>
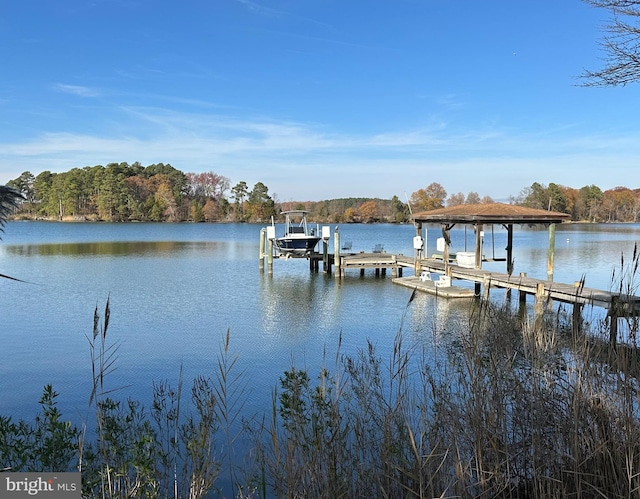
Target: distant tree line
<point>124,192</point>
<point>160,192</point>
<point>589,203</point>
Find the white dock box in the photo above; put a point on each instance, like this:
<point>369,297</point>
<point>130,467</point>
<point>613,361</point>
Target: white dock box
<point>466,259</point>
<point>444,281</point>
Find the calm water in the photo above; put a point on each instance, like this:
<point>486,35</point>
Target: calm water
<point>176,289</point>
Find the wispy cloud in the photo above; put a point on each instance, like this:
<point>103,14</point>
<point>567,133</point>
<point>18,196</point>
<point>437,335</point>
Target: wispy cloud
<point>78,90</point>
<point>311,161</point>
<point>259,9</point>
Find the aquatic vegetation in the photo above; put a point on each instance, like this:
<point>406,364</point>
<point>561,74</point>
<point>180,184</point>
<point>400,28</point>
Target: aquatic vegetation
<point>519,409</point>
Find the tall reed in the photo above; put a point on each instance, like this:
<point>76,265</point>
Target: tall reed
<point>515,408</point>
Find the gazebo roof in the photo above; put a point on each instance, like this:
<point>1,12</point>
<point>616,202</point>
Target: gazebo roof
<point>490,213</point>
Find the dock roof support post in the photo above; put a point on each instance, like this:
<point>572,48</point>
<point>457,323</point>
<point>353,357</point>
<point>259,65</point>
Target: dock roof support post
<point>478,262</point>
<point>447,242</point>
<point>509,248</point>
<point>552,250</point>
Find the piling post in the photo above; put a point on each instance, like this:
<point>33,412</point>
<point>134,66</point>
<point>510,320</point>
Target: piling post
<point>613,315</point>
<point>576,324</point>
<point>487,287</point>
<point>263,236</point>
<point>539,306</point>
<point>336,253</point>
<point>509,249</point>
<point>552,250</point>
<point>270,257</point>
<point>478,259</point>
<point>418,251</point>
<point>478,255</point>
<point>523,294</point>
<point>326,235</point>
<point>577,318</point>
<point>394,268</point>
<point>447,241</point>
<point>270,235</point>
<point>325,255</point>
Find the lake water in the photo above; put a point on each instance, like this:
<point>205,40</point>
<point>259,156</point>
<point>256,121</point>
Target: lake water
<point>175,289</point>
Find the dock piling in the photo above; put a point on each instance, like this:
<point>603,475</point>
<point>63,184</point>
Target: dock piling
<point>263,236</point>
<point>336,253</point>
<point>552,251</point>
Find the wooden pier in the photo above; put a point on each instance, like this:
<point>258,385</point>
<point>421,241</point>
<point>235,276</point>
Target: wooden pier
<point>618,305</point>
<point>380,262</point>
<point>544,291</point>
<point>575,293</point>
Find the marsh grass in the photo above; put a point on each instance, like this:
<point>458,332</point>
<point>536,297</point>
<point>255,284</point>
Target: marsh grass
<point>514,409</point>
<point>519,410</point>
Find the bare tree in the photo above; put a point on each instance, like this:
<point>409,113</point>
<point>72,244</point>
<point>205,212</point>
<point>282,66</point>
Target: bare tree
<point>621,43</point>
<point>456,199</point>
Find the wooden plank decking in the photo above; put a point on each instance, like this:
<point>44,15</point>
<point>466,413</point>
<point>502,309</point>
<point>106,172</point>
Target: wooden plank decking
<point>567,293</point>
<point>375,260</point>
<point>618,305</point>
<point>542,289</point>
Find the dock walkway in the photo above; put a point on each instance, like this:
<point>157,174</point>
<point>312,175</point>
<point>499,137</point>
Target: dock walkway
<point>575,294</point>
<point>617,304</point>
<point>566,293</point>
<point>364,261</point>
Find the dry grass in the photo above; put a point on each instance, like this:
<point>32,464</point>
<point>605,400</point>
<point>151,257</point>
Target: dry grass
<point>520,410</point>
<point>517,410</point>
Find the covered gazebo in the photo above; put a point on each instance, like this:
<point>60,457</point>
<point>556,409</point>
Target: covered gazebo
<point>479,215</point>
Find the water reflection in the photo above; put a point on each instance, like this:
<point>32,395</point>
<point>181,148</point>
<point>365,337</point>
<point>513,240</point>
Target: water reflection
<point>292,302</point>
<point>109,248</point>
<point>175,289</point>
<point>434,324</point>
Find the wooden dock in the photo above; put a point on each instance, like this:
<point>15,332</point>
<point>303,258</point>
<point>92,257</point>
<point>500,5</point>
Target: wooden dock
<point>576,294</point>
<point>378,261</point>
<point>567,293</point>
<point>430,287</point>
<point>544,291</point>
<point>618,305</point>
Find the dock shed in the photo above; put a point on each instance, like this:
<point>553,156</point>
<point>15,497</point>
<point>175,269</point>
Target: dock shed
<point>479,215</point>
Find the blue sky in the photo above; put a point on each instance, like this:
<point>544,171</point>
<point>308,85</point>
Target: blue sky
<point>318,99</point>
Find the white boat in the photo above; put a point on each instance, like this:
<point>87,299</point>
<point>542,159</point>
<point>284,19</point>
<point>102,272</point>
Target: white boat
<point>298,240</point>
